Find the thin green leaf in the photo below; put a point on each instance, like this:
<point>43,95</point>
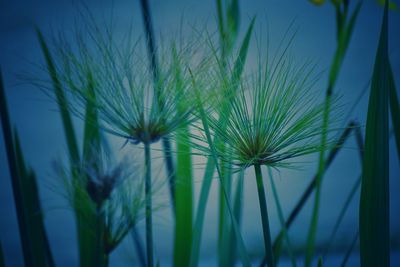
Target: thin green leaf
<point>342,45</point>
<point>209,170</point>
<point>237,210</point>
<point>91,136</point>
<point>32,208</point>
<point>374,200</point>
<point>282,219</point>
<point>2,261</point>
<point>241,247</point>
<point>394,109</point>
<point>183,187</point>
<point>16,182</point>
<point>61,101</point>
<point>349,250</point>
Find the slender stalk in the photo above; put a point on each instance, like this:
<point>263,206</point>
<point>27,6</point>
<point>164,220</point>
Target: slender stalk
<point>148,26</point>
<point>15,179</point>
<point>149,219</point>
<point>100,255</point>
<point>264,216</point>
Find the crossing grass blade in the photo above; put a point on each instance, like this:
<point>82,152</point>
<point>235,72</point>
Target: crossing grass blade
<point>241,247</point>
<point>394,109</point>
<point>62,102</point>
<point>349,250</point>
<point>282,220</point>
<point>237,210</point>
<point>85,239</point>
<point>374,200</point>
<point>277,245</point>
<point>15,179</point>
<point>210,165</point>
<point>35,246</point>
<point>91,135</point>
<point>345,30</point>
<point>183,187</point>
<point>2,261</point>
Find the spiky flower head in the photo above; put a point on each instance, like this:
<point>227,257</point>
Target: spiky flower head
<point>273,116</point>
<point>101,191</point>
<point>132,102</point>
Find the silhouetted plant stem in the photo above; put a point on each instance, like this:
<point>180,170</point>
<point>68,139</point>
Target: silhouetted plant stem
<point>149,219</point>
<point>264,216</point>
<point>166,143</point>
<point>15,178</point>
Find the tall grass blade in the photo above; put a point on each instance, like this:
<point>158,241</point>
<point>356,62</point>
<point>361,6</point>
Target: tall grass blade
<point>91,136</point>
<point>345,33</point>
<point>16,182</point>
<point>349,250</point>
<point>237,210</point>
<point>374,200</point>
<point>282,219</point>
<point>62,102</point>
<point>241,247</point>
<point>394,109</point>
<point>183,187</point>
<point>86,240</point>
<point>210,165</point>
<point>35,245</point>
<point>31,202</point>
<point>343,211</point>
<point>277,245</point>
<point>2,261</point>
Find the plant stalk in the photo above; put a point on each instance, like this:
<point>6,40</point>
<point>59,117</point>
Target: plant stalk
<point>264,216</point>
<point>149,219</point>
<point>166,143</point>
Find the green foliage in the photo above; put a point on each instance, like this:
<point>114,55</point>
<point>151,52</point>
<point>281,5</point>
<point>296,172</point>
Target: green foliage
<point>210,166</point>
<point>374,201</point>
<point>184,183</point>
<point>35,246</point>
<point>241,247</point>
<point>394,109</point>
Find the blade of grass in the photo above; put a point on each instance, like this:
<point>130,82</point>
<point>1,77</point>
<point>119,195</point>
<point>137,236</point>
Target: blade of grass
<point>61,101</point>
<point>374,200</point>
<point>339,219</point>
<point>139,246</point>
<point>277,245</point>
<point>394,109</point>
<point>349,250</point>
<point>264,217</point>
<point>282,219</point>
<point>345,33</point>
<point>237,210</point>
<point>183,187</point>
<point>2,261</point>
<point>15,179</point>
<point>86,240</point>
<point>241,247</point>
<point>36,230</point>
<point>166,143</point>
<point>210,165</point>
<point>91,136</point>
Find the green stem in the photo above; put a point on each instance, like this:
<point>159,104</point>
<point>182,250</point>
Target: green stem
<point>100,230</point>
<point>321,168</point>
<point>149,219</point>
<point>264,216</point>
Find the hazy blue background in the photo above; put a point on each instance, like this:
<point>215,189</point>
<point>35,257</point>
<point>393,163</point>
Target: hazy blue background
<point>42,137</point>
